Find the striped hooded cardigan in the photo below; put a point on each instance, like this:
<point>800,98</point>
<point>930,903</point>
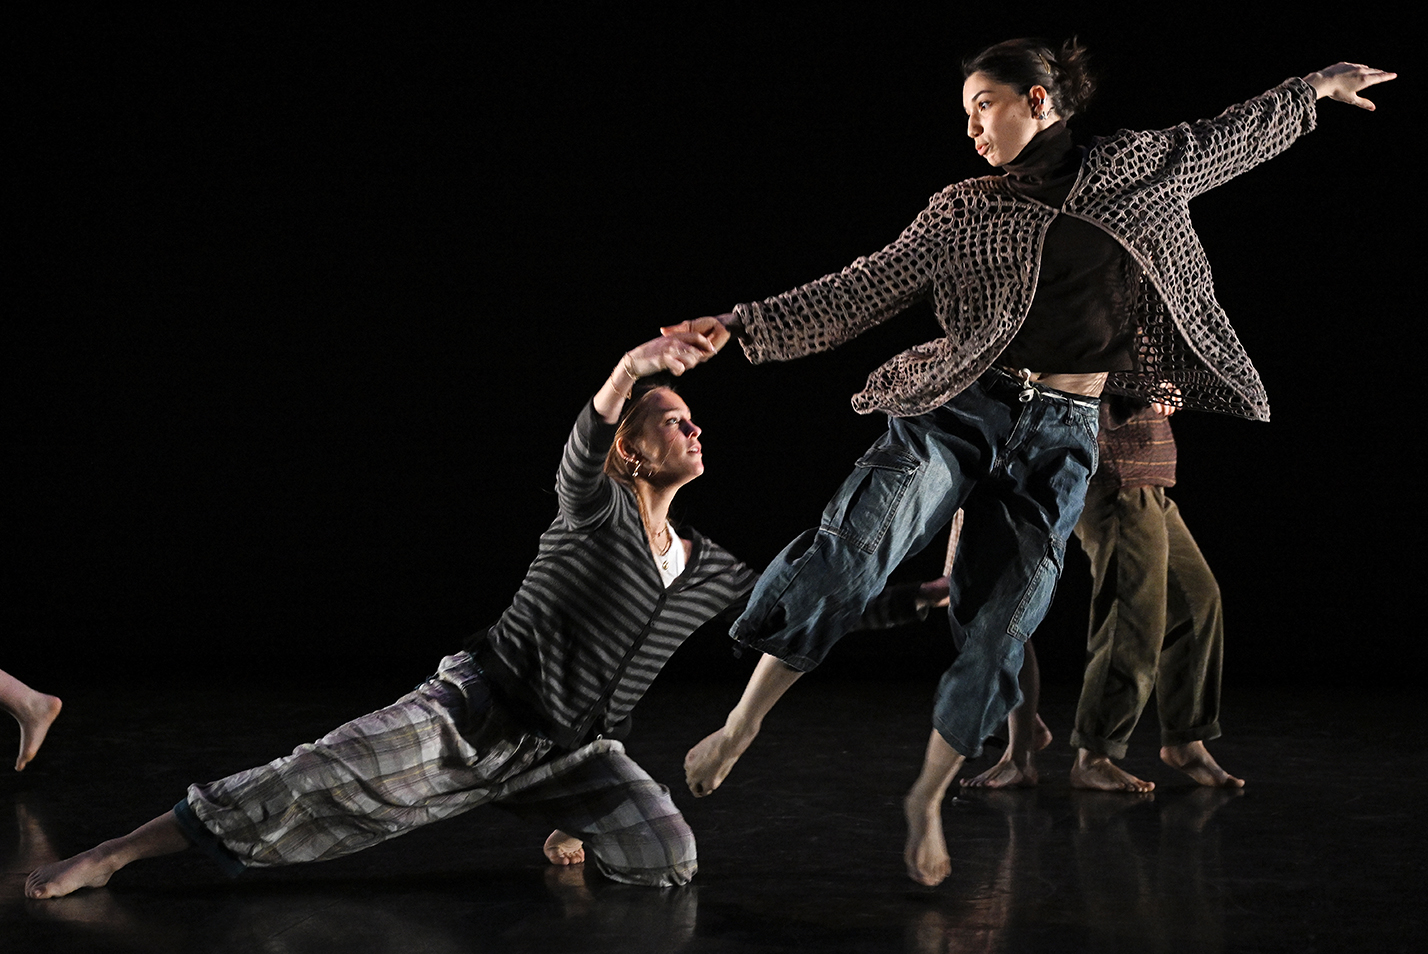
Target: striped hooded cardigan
<point>592,623</point>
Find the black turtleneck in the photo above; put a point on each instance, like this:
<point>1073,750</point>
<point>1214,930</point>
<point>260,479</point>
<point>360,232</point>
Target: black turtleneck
<point>1077,320</point>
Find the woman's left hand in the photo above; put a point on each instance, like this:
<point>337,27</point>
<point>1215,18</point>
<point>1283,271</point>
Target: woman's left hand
<point>1342,81</point>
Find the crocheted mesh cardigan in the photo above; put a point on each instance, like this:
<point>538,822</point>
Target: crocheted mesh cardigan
<point>976,251</point>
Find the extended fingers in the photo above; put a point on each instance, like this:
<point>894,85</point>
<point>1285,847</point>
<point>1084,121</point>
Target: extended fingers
<point>1357,76</point>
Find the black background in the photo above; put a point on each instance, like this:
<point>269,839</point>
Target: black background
<point>302,305</point>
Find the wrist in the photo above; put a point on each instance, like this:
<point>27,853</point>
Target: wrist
<point>740,726</point>
<point>623,378</point>
<point>627,367</point>
<point>1319,82</point>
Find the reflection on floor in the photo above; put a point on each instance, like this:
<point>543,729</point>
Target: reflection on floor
<point>801,850</point>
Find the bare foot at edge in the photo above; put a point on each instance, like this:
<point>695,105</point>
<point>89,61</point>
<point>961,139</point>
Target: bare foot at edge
<point>709,763</point>
<point>1009,772</point>
<point>34,725</point>
<point>88,869</point>
<point>926,852</point>
<point>1195,761</point>
<point>1099,773</point>
<point>563,849</point>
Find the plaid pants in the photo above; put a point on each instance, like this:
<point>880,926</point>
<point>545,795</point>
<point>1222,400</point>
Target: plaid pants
<point>440,750</point>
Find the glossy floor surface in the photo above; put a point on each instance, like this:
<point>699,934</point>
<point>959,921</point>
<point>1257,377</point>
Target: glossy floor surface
<point>801,849</point>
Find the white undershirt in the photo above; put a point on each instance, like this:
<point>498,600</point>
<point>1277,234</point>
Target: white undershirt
<point>671,564</point>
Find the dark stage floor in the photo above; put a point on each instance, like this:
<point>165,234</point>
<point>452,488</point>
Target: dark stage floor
<point>1324,850</point>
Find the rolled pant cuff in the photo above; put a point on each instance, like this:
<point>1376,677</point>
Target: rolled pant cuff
<point>1202,733</point>
<point>773,647</point>
<point>672,877</point>
<point>965,749</point>
<point>205,841</point>
<point>1097,745</point>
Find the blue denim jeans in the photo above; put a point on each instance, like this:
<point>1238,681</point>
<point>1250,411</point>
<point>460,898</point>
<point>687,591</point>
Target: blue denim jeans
<point>1017,460</point>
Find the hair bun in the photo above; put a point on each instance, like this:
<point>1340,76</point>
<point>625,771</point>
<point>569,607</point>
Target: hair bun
<point>1075,83</point>
<point>1025,63</point>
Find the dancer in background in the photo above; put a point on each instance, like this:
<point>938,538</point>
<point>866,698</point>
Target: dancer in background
<point>530,713</point>
<point>35,711</point>
<point>1156,623</point>
<point>1078,265</point>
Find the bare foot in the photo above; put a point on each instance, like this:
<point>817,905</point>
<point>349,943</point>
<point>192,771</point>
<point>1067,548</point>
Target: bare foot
<point>1194,760</point>
<point>926,852</point>
<point>709,763</point>
<point>563,849</point>
<point>89,869</point>
<point>1040,735</point>
<point>35,719</point>
<point>1012,771</point>
<point>1098,772</point>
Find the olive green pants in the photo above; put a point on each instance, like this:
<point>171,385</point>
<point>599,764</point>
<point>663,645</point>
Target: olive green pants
<point>1156,623</point>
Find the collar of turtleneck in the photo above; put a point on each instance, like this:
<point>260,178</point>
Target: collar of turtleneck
<point>1049,155</point>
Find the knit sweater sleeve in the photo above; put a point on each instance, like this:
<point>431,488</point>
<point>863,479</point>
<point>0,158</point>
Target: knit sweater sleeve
<point>585,493</point>
<point>894,606</point>
<point>1204,154</point>
<point>825,313</point>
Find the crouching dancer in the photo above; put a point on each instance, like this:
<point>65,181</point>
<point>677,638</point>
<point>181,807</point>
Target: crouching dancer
<point>529,714</point>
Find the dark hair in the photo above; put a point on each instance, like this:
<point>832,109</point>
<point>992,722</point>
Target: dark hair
<point>1022,64</point>
<point>633,417</point>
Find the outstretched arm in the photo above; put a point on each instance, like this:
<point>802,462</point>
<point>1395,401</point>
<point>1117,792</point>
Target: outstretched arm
<point>1205,154</point>
<point>583,491</point>
<point>1343,81</point>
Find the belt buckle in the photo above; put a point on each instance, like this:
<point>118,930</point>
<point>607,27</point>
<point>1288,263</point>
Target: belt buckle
<point>1027,391</point>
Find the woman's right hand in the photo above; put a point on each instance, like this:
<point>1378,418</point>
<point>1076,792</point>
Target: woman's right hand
<point>1342,81</point>
<point>715,328</point>
<point>675,352</point>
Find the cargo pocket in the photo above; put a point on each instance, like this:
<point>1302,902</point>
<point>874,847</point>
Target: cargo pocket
<point>866,504</point>
<point>1037,598</point>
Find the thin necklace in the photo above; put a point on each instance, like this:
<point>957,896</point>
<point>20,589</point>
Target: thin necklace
<point>661,555</point>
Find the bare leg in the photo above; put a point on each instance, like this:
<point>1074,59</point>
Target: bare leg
<point>563,849</point>
<point>1098,772</point>
<point>708,763</point>
<point>1026,735</point>
<point>35,711</point>
<point>93,868</point>
<point>926,852</point>
<point>1194,760</point>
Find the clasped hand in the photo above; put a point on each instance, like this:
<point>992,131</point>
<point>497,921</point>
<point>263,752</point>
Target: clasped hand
<point>676,351</point>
